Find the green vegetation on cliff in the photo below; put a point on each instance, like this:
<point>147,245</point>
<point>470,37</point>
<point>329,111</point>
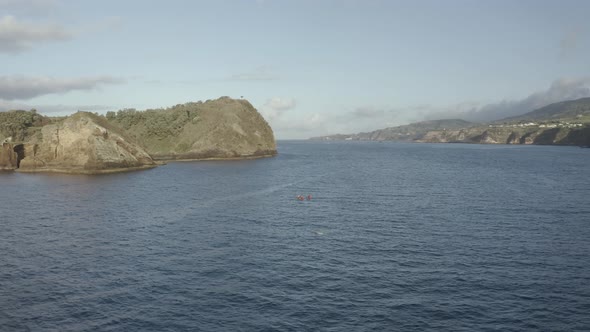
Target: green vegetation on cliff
<point>221,128</point>
<point>157,123</point>
<point>130,139</point>
<point>19,125</point>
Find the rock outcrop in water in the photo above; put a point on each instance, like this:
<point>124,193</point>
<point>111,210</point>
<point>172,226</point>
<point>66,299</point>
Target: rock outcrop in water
<point>83,143</point>
<point>224,128</point>
<point>89,143</point>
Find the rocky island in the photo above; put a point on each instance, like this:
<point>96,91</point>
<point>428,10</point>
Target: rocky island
<point>87,143</point>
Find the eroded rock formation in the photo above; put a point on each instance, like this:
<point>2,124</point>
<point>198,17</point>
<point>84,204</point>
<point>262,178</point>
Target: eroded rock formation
<point>83,143</point>
<point>8,157</point>
<point>535,135</point>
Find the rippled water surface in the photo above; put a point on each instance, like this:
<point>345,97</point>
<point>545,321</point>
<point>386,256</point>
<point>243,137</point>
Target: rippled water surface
<point>406,237</point>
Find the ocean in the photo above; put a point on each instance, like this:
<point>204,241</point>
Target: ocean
<point>395,237</point>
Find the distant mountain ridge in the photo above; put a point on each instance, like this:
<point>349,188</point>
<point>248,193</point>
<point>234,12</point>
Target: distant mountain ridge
<point>568,110</point>
<point>407,132</point>
<point>562,123</point>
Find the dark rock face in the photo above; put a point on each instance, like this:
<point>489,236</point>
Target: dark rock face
<point>547,137</point>
<point>514,138</point>
<point>8,157</point>
<point>580,137</point>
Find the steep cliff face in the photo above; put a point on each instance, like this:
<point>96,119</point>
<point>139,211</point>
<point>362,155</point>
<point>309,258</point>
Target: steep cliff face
<point>222,128</point>
<point>83,143</point>
<point>8,157</point>
<point>580,137</point>
<point>535,135</point>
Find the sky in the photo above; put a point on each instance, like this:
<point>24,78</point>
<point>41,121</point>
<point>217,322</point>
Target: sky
<point>311,68</point>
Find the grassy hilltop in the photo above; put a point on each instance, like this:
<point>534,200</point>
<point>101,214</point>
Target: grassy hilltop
<point>221,128</point>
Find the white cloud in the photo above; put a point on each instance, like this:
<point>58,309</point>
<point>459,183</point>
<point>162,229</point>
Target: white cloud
<point>301,126</point>
<point>370,117</point>
<point>318,123</point>
<point>559,90</point>
<point>280,104</point>
<point>288,124</point>
<point>366,118</point>
<point>275,107</point>
<point>17,36</point>
<point>23,87</point>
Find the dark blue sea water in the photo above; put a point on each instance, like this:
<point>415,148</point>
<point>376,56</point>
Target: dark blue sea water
<point>397,237</point>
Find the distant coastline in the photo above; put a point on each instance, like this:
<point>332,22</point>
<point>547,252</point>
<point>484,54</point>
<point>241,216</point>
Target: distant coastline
<point>563,123</point>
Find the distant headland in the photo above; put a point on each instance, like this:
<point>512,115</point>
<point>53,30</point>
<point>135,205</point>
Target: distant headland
<point>88,143</point>
<point>563,123</point>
